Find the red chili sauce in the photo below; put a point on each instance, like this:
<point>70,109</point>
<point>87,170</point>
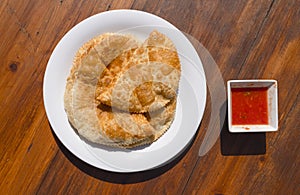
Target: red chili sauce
<point>249,106</point>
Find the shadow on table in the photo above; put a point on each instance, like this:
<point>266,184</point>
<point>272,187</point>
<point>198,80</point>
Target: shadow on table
<point>120,178</point>
<point>234,144</point>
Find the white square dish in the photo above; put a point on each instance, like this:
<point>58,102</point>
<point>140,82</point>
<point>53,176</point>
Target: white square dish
<point>246,88</point>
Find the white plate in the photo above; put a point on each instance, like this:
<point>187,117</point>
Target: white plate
<point>191,97</point>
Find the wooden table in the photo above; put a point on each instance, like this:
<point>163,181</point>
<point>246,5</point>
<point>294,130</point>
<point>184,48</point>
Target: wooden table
<point>247,39</point>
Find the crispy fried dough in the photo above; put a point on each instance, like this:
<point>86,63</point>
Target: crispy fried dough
<point>153,68</point>
<point>108,125</point>
<point>81,107</point>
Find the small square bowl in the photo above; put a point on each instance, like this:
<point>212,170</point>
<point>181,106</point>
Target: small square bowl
<point>272,105</point>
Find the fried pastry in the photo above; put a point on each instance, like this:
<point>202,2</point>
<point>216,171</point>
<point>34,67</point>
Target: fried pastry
<point>81,107</point>
<point>107,125</point>
<point>142,79</point>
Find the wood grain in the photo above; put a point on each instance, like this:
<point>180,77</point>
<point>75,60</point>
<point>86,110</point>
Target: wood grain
<point>271,173</point>
<point>247,39</point>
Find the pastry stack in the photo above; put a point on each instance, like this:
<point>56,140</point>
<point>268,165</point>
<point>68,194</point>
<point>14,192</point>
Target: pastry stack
<point>122,92</point>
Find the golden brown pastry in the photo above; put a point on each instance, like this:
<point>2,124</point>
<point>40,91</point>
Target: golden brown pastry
<point>142,79</point>
<point>104,124</point>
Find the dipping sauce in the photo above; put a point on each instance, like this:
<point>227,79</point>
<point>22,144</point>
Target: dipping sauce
<point>249,106</point>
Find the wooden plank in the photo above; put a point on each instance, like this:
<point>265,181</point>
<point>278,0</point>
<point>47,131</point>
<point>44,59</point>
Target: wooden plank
<point>29,32</point>
<point>274,54</point>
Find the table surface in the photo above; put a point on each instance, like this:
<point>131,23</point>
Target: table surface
<point>247,39</point>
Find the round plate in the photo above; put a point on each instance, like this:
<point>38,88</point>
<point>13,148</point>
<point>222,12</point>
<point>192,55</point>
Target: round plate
<point>190,104</point>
